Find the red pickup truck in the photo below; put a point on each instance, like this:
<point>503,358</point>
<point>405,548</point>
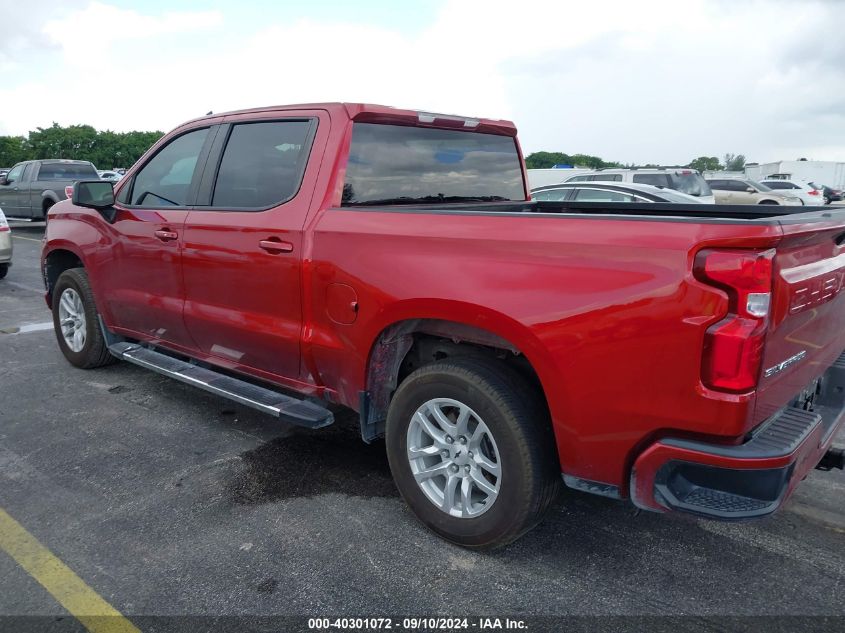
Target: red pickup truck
<point>686,357</point>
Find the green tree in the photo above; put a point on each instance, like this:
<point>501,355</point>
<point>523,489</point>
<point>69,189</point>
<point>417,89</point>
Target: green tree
<point>734,162</point>
<point>705,163</point>
<point>105,149</point>
<point>13,149</point>
<point>545,160</point>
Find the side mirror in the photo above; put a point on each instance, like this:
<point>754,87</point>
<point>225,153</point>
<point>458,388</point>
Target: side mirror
<point>4,180</point>
<point>750,190</point>
<point>94,194</point>
<point>97,195</point>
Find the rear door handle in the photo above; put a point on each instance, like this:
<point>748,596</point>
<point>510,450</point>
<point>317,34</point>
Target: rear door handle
<point>274,245</point>
<point>166,235</point>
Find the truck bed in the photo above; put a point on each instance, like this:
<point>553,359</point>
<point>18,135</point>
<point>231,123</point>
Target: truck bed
<point>654,210</point>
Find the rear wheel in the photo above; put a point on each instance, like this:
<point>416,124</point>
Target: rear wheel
<point>768,202</point>
<point>76,322</point>
<point>4,268</point>
<point>472,452</point>
<point>45,207</point>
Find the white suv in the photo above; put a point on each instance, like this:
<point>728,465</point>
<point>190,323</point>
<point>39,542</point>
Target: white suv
<point>688,181</point>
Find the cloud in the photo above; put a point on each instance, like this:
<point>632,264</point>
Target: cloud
<point>84,35</point>
<point>657,81</point>
<point>20,30</point>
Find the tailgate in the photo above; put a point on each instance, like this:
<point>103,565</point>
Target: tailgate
<point>807,327</point>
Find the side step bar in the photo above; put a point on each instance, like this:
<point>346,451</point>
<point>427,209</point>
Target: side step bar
<point>286,408</point>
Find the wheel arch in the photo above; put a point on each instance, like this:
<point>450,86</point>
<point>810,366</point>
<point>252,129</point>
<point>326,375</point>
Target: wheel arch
<point>55,262</point>
<point>403,344</point>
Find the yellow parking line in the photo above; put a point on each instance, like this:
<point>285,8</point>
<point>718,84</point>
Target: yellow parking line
<point>21,237</point>
<point>83,603</point>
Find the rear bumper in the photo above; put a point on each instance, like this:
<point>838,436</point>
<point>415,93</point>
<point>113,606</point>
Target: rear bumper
<point>5,246</point>
<point>748,480</point>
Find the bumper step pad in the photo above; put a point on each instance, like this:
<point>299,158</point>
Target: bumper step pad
<point>726,493</point>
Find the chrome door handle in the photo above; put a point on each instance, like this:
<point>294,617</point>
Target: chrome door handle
<point>166,235</point>
<point>274,245</point>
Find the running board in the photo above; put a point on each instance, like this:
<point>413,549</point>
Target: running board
<point>286,408</point>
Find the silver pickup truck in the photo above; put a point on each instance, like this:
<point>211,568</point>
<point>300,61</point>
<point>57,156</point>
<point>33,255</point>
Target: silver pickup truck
<point>32,187</point>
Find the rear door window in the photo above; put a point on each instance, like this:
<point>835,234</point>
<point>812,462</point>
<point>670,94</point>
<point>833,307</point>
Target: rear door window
<point>262,164</point>
<point>550,195</point>
<point>606,177</point>
<point>598,195</point>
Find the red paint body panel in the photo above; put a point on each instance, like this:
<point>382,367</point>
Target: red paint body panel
<point>606,309</point>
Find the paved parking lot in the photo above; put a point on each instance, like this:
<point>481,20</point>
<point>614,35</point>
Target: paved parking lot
<point>166,500</point>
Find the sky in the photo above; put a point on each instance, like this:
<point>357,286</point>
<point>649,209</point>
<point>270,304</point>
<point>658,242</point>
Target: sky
<point>632,81</point>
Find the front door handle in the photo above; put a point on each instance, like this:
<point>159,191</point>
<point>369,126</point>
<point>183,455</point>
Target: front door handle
<point>166,235</point>
<point>274,245</point>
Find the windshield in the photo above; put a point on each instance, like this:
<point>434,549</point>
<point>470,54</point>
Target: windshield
<point>758,185</point>
<point>67,171</point>
<point>392,164</point>
<point>691,183</point>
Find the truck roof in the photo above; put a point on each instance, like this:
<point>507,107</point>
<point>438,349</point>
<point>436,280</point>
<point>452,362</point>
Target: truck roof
<point>373,113</point>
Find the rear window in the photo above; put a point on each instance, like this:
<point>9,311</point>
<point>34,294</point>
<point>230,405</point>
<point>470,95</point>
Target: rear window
<point>658,180</point>
<point>392,164</point>
<point>691,184</point>
<point>67,171</point>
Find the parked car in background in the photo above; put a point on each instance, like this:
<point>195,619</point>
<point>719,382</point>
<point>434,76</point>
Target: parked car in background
<point>598,191</point>
<point>745,191</point>
<point>829,193</point>
<point>809,194</point>
<point>688,181</point>
<point>111,176</point>
<point>5,245</point>
<point>32,187</point>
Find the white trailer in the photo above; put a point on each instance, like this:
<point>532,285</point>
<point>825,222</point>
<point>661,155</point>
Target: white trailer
<point>543,177</point>
<point>821,172</point>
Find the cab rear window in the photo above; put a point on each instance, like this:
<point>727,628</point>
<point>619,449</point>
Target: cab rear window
<point>392,164</point>
<point>67,171</point>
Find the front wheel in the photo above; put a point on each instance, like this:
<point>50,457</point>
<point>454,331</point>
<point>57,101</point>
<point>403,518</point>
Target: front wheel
<point>471,449</point>
<point>4,269</point>
<point>76,323</point>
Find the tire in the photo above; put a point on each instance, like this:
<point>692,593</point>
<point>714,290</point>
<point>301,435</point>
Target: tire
<point>71,285</point>
<point>4,269</point>
<point>519,437</point>
<point>768,202</point>
<point>45,207</point>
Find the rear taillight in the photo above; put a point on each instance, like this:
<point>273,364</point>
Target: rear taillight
<point>733,347</point>
<point>813,192</point>
<point>69,192</point>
